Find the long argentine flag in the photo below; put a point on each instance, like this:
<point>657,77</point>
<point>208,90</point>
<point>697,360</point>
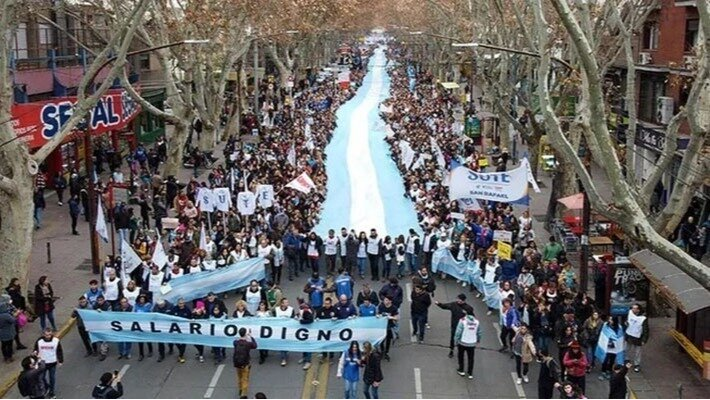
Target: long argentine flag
<point>611,342</point>
<point>365,189</point>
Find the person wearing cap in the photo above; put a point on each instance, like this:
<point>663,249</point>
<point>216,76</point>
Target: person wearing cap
<point>458,309</point>
<point>575,363</point>
<point>49,349</point>
<point>109,387</point>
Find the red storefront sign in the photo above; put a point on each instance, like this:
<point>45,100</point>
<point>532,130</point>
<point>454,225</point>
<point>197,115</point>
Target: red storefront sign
<point>38,122</point>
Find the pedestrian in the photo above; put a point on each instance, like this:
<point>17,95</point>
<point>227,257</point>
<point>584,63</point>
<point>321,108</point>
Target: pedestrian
<point>349,369</point>
<point>60,184</point>
<point>74,211</point>
<point>306,316</point>
<point>124,348</point>
<point>523,350</point>
<point>39,206</point>
<point>183,311</point>
<point>254,295</point>
<point>49,349</point>
<point>284,310</point>
<point>374,251</point>
<point>576,365</point>
<point>458,309</point>
<point>44,302</point>
<point>419,307</point>
<point>372,375</point>
<point>549,375</point>
<point>388,310</point>
<point>361,254</point>
<point>330,251</point>
<point>467,336</point>
<point>344,284</point>
<point>617,381</point>
<point>31,382</point>
<point>314,288</point>
<point>8,328</point>
<point>637,333</point>
<point>242,359</point>
<point>589,337</point>
<point>163,307</point>
<point>91,349</point>
<point>109,387</point>
<point>143,306</point>
<point>411,250</point>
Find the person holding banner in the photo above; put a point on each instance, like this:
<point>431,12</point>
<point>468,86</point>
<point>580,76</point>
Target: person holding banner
<point>284,311</point>
<point>163,307</point>
<point>183,311</point>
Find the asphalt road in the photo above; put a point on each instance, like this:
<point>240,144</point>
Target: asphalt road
<point>415,371</point>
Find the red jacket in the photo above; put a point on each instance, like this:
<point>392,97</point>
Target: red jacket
<point>575,366</point>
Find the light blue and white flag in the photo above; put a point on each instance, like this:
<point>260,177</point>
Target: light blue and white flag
<point>611,342</point>
<point>467,271</point>
<point>284,334</point>
<point>195,286</point>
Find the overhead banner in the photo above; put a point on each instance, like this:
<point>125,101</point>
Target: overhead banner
<point>196,286</point>
<point>283,334</point>
<point>503,187</point>
<point>38,122</point>
<point>467,271</point>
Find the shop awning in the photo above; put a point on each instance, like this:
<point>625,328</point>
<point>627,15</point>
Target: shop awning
<point>685,292</point>
<point>449,85</point>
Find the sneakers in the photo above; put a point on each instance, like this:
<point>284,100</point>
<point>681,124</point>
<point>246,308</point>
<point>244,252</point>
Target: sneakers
<point>201,359</point>
<point>470,377</point>
<point>489,312</point>
<point>181,360</point>
<point>464,284</point>
<point>637,368</point>
<point>283,363</point>
<point>428,326</point>
<point>451,354</point>
<point>306,365</point>
<point>518,381</point>
<point>22,347</point>
<point>460,372</point>
<point>526,379</point>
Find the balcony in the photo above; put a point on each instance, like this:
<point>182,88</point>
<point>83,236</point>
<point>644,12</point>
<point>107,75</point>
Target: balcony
<point>686,3</point>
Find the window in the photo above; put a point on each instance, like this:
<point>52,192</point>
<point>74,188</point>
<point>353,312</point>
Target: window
<point>18,42</point>
<point>144,62</point>
<point>650,36</point>
<point>651,86</point>
<point>691,34</point>
<point>46,34</point>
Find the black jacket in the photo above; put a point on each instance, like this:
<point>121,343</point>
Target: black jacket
<point>242,350</point>
<point>458,311</point>
<point>420,302</point>
<point>107,392</point>
<point>373,370</point>
<point>617,384</point>
<point>30,382</point>
<point>361,297</point>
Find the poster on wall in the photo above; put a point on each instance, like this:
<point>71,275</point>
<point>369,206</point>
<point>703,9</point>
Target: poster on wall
<point>629,286</point>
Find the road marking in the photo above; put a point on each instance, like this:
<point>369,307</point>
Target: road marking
<point>418,382</point>
<point>518,388</point>
<point>213,382</point>
<point>323,374</point>
<point>123,370</point>
<point>308,381</point>
<point>412,337</point>
<point>496,326</point>
<point>409,292</point>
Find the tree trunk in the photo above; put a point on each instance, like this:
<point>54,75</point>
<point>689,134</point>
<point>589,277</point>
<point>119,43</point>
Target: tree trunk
<point>16,233</point>
<point>207,138</point>
<point>176,146</point>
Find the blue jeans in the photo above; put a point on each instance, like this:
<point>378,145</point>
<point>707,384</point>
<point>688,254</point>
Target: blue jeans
<point>589,352</point>
<point>43,320</point>
<point>50,378</point>
<point>38,217</point>
<point>307,357</point>
<point>124,348</point>
<point>419,325</point>
<point>361,262</point>
<point>371,392</point>
<point>284,355</point>
<point>350,389</point>
<point>411,260</point>
<point>542,342</point>
<point>386,268</point>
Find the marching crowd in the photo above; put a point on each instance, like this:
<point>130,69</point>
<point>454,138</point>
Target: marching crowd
<point>542,311</point>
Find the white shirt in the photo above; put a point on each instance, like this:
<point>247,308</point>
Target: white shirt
<point>635,328</point>
<point>387,250</point>
<point>173,274</point>
<point>373,245</point>
<point>443,243</point>
<point>287,313</point>
<point>263,251</point>
<point>410,244</point>
<point>111,289</point>
<point>154,281</point>
<point>131,295</point>
<point>343,250</point>
<point>48,350</point>
<point>331,245</point>
<point>361,253</point>
<point>399,257</point>
<point>427,239</point>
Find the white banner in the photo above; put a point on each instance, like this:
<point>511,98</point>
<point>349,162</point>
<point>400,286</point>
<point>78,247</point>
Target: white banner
<point>203,238</point>
<point>503,236</point>
<point>504,187</point>
<point>246,203</point>
<point>101,228</point>
<point>129,258</point>
<point>525,163</point>
<point>222,199</point>
<point>265,195</point>
<point>407,153</point>
<point>159,256</point>
<point>205,200</point>
<point>302,183</point>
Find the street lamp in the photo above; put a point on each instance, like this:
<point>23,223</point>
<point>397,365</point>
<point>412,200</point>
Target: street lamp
<point>88,152</point>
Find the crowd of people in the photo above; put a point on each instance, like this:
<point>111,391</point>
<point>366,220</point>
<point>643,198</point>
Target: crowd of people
<point>542,311</point>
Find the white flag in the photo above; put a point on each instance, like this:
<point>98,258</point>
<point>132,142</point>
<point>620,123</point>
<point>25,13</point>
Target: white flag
<point>159,256</point>
<point>291,156</point>
<point>129,257</point>
<point>407,153</point>
<point>222,199</point>
<point>265,195</point>
<point>302,183</point>
<point>531,178</point>
<point>246,203</point>
<point>439,154</point>
<point>205,200</point>
<point>101,221</point>
<point>203,238</point>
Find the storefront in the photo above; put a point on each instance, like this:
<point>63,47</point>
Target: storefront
<point>110,124</point>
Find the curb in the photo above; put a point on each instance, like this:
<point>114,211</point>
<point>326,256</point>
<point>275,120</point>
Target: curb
<point>8,384</point>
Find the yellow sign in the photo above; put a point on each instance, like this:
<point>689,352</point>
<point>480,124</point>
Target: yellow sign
<point>504,251</point>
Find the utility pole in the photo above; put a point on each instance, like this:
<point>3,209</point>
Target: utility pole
<point>89,166</point>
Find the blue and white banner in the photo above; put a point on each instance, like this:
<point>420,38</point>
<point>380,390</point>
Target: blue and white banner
<point>503,187</point>
<point>610,342</point>
<point>270,333</point>
<point>467,271</point>
<point>195,286</point>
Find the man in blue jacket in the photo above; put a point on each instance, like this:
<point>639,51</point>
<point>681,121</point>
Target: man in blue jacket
<point>292,247</point>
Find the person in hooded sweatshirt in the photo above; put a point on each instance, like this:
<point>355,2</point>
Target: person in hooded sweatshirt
<point>109,387</point>
<point>467,336</point>
<point>458,310</point>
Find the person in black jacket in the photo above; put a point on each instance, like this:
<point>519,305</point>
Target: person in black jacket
<point>549,375</point>
<point>367,293</point>
<point>242,359</point>
<point>617,382</point>
<point>458,309</point>
<point>30,382</point>
<point>372,376</point>
<point>109,387</point>
<point>421,301</point>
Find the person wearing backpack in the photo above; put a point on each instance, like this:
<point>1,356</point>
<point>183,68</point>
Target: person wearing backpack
<point>30,382</point>
<point>109,387</point>
<point>242,360</point>
<point>549,375</point>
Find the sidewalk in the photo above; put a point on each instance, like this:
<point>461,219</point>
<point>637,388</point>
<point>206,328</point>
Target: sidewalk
<point>70,269</point>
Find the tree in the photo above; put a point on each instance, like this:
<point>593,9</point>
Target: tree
<point>16,180</point>
<point>624,204</point>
